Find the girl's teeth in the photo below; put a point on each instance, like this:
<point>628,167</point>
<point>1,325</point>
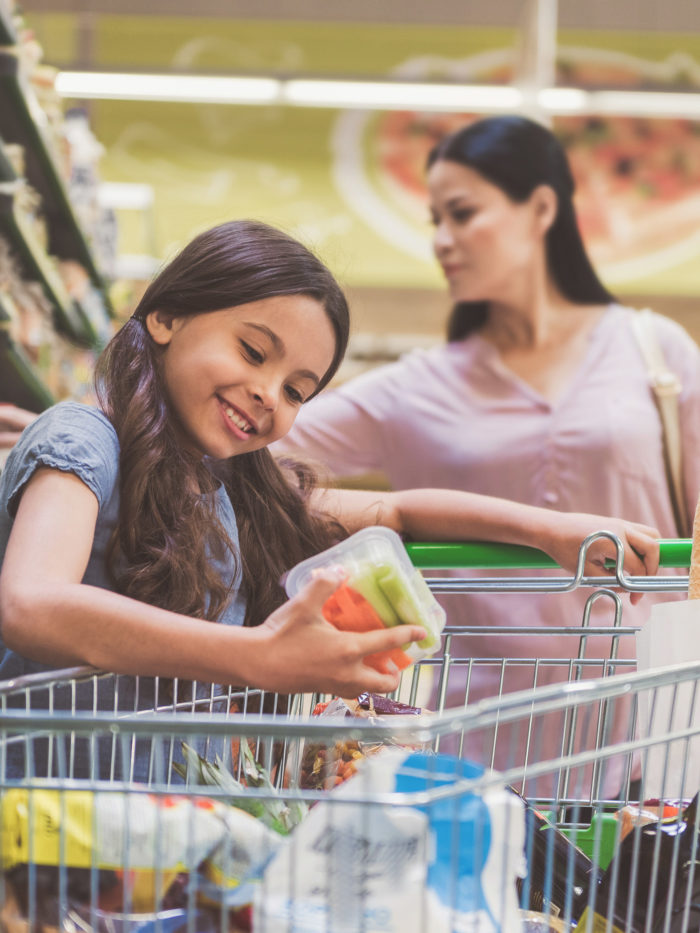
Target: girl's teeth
<point>237,420</point>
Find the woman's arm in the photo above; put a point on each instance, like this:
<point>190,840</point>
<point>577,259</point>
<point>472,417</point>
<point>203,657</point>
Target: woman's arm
<point>47,614</point>
<point>450,515</point>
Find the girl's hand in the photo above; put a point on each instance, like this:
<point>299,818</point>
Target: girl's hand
<point>301,652</point>
<point>13,421</point>
<point>639,541</point>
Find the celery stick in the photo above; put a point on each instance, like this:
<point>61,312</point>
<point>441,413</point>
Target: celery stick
<point>404,603</point>
<point>364,581</point>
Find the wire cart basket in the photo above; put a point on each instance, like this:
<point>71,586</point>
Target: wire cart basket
<point>132,804</point>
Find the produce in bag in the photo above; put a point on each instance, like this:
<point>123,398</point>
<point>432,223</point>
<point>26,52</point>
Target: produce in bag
<point>381,588</point>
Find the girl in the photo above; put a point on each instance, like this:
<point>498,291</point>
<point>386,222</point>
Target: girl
<point>127,531</point>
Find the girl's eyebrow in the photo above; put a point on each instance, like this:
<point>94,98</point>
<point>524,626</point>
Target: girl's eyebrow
<point>279,347</point>
<point>276,342</point>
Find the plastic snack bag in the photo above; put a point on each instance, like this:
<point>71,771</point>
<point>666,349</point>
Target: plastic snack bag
<point>446,865</point>
<point>142,840</point>
<point>382,588</point>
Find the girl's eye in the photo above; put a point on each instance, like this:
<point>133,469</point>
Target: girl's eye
<point>254,354</point>
<point>294,395</point>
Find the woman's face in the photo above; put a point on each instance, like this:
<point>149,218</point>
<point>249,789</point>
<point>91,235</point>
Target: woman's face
<point>236,378</point>
<point>487,244</point>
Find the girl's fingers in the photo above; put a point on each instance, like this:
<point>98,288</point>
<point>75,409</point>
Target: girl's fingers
<point>387,638</point>
<point>322,585</point>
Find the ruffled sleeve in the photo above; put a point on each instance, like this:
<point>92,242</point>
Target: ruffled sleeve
<point>70,437</point>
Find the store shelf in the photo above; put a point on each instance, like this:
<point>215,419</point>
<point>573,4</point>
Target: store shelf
<point>37,266</point>
<point>19,380</point>
<point>7,172</point>
<point>22,121</point>
<point>8,36</point>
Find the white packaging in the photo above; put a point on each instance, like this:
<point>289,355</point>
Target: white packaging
<point>445,864</point>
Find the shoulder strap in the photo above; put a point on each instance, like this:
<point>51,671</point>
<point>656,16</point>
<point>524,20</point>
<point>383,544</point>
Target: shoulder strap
<point>666,388</point>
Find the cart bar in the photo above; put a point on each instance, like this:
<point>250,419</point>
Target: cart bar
<point>486,554</point>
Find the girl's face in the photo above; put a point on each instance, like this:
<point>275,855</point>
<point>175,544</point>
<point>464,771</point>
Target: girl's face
<point>236,378</point>
<point>486,243</point>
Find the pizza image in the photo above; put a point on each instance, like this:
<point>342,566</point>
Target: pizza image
<point>637,179</point>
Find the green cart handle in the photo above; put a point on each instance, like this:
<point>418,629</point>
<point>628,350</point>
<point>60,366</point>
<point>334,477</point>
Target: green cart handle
<point>485,554</point>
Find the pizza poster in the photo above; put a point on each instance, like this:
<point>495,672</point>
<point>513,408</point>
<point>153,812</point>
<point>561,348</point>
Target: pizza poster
<point>351,183</point>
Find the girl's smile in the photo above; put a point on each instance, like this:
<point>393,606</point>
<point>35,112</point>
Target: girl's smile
<point>237,377</point>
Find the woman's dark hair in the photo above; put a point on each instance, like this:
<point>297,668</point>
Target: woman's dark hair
<point>168,531</point>
<point>516,155</point>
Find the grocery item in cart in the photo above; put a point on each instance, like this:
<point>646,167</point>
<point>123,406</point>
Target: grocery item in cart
<point>559,875</point>
<point>381,588</point>
<point>327,766</point>
<point>654,874</point>
<point>402,847</point>
<point>141,840</point>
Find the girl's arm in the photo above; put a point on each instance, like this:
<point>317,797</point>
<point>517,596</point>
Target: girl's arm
<point>450,515</point>
<point>48,615</point>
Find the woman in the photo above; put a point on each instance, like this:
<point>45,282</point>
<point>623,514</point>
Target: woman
<point>540,393</point>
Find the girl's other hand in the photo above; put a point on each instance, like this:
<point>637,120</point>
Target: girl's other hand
<point>640,542</point>
<point>301,652</point>
<point>13,421</point>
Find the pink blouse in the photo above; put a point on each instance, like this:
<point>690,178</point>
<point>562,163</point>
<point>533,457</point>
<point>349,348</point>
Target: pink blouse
<point>456,416</point>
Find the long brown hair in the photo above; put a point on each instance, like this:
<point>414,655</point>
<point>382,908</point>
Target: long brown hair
<point>168,529</point>
<point>517,154</point>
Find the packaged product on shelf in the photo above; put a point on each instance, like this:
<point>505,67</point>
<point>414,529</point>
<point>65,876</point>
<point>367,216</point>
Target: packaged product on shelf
<point>382,588</point>
<point>654,875</point>
<point>356,863</point>
<point>31,314</point>
<point>559,875</point>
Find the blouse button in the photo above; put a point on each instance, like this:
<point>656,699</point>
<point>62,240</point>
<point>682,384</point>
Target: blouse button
<point>551,497</point>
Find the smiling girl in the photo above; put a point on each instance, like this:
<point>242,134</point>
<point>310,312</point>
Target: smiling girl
<point>128,530</point>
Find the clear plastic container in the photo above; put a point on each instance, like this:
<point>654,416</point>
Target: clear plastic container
<point>382,588</point>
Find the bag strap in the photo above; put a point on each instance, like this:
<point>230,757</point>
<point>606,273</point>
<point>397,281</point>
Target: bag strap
<point>666,388</point>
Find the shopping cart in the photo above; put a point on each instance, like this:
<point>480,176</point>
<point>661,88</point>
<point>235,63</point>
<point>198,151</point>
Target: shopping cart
<point>101,832</point>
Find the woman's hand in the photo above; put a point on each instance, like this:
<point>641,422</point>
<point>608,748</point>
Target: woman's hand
<point>13,421</point>
<point>641,557</point>
<point>299,651</point>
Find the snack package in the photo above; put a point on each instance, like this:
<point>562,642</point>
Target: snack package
<point>382,588</point>
<point>327,766</point>
<point>137,842</point>
<point>364,860</point>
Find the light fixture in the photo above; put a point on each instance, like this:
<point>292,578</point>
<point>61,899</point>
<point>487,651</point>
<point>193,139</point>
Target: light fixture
<point>371,95</point>
<point>400,95</point>
<point>198,89</point>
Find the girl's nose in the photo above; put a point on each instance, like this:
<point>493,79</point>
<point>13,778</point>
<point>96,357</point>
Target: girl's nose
<point>265,395</point>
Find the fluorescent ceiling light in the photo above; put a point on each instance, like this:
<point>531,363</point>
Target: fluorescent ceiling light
<point>189,88</point>
<point>400,95</point>
<point>371,95</point>
<point>562,100</point>
<point>646,103</point>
